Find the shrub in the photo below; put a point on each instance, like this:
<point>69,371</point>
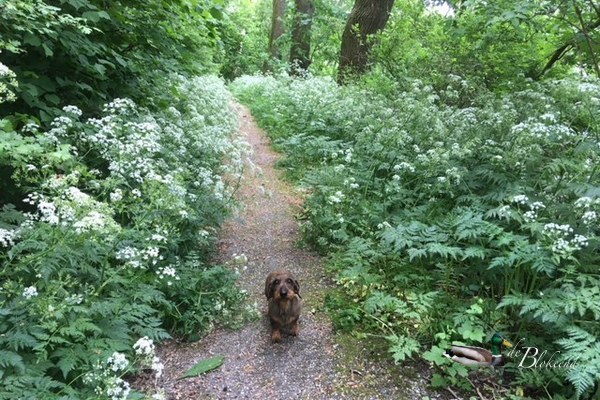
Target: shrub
<point>106,225</point>
<point>449,217</point>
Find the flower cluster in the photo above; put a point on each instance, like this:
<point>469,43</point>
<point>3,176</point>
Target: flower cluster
<point>335,198</point>
<point>564,239</point>
<point>30,292</point>
<point>169,273</point>
<point>107,377</point>
<point>7,237</point>
<point>7,78</point>
<point>139,259</point>
<point>145,348</point>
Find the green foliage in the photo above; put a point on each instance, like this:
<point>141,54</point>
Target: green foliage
<point>87,52</point>
<point>204,366</point>
<point>450,213</point>
<point>106,227</point>
<point>498,44</point>
<point>245,34</point>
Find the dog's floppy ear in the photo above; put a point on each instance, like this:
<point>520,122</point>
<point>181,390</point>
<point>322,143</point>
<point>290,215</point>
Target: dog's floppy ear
<point>296,287</point>
<point>268,291</point>
<point>270,286</point>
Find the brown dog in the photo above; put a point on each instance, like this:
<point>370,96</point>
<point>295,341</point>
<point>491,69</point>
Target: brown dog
<point>283,294</point>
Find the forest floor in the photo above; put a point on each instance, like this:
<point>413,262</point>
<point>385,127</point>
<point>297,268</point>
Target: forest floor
<point>317,364</point>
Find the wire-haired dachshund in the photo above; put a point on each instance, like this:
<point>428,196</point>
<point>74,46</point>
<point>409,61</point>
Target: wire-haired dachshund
<point>283,294</point>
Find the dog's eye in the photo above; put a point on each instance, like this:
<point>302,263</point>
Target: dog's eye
<point>276,282</point>
<point>289,281</point>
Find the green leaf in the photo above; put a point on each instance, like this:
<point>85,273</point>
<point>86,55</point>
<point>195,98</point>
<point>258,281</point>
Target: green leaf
<point>471,332</point>
<point>438,381</point>
<point>32,39</point>
<point>47,50</point>
<point>204,366</point>
<point>402,347</point>
<point>11,359</point>
<point>436,356</point>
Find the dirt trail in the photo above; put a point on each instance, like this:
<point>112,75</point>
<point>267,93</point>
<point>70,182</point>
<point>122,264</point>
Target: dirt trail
<point>309,366</point>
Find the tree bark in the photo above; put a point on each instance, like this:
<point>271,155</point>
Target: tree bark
<point>277,30</point>
<point>366,18</point>
<point>301,34</point>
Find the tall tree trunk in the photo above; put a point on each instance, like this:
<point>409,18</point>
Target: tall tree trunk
<point>301,32</point>
<point>366,18</point>
<point>277,31</point>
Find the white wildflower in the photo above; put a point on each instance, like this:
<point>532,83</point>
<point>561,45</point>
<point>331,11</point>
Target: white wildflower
<point>6,237</point>
<point>579,241</point>
<point>30,292</point>
<point>127,253</point>
<point>336,197</point>
<point>583,202</point>
<point>72,110</point>
<point>384,225</point>
<point>158,238</point>
<point>404,166</point>
<point>504,211</point>
<point>588,218</point>
<point>556,229</point>
<point>530,216</point>
<point>117,362</point>
<point>157,367</point>
<point>144,347</point>
<point>93,221</point>
<point>520,199</point>
<point>116,196</point>
<point>48,212</point>
<point>537,205</point>
<point>117,389</point>
<point>77,195</point>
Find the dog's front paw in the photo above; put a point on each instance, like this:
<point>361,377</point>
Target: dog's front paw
<point>295,330</point>
<point>275,336</point>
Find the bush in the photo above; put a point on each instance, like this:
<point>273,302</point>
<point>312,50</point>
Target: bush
<point>105,227</point>
<point>446,217</point>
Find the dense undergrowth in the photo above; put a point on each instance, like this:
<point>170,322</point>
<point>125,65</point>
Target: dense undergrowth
<point>105,229</point>
<point>111,190</point>
<point>452,214</point>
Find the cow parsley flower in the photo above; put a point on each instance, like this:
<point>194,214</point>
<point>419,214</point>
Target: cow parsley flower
<point>157,367</point>
<point>74,110</point>
<point>530,216</point>
<point>6,237</point>
<point>116,195</point>
<point>583,202</point>
<point>30,292</point>
<point>167,272</point>
<point>117,389</point>
<point>117,362</point>
<point>556,229</point>
<point>520,199</point>
<point>404,166</point>
<point>588,217</point>
<point>93,221</point>
<point>336,197</point>
<point>144,347</point>
<point>48,212</point>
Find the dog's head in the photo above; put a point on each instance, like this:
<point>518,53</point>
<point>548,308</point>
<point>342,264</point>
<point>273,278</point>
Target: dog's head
<point>281,285</point>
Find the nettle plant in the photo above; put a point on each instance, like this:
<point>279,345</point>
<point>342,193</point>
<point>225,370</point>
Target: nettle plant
<point>105,228</point>
<point>445,222</point>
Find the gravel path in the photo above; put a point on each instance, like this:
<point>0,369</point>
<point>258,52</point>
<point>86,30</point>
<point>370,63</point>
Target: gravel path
<point>310,366</point>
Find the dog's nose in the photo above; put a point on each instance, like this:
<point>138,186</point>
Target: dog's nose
<point>284,291</point>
